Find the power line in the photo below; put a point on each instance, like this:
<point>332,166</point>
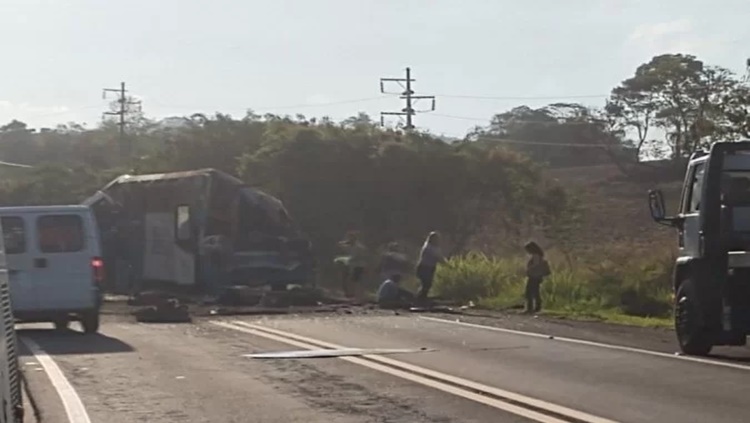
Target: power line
<point>289,106</point>
<point>551,144</point>
<point>10,164</point>
<point>521,121</point>
<point>67,111</point>
<point>558,97</point>
<point>408,95</point>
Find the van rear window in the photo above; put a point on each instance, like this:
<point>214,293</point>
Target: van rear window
<point>14,234</point>
<point>60,233</point>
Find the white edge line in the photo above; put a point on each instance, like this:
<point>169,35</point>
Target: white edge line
<point>558,409</point>
<point>71,401</point>
<point>590,343</point>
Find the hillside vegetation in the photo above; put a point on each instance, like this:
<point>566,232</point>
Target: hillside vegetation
<point>566,175</point>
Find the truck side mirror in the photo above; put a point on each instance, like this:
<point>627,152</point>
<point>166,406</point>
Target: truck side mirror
<point>656,205</point>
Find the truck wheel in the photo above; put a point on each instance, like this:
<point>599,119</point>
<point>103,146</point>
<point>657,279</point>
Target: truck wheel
<point>90,321</point>
<point>692,334</point>
<point>61,324</point>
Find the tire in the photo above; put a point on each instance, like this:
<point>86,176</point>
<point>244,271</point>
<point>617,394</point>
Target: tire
<point>692,334</point>
<point>61,324</point>
<point>90,321</point>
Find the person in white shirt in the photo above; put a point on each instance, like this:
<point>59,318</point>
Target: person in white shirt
<point>429,258</point>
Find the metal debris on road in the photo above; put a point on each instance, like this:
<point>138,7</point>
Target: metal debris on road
<point>434,309</point>
<point>340,352</point>
<point>165,311</point>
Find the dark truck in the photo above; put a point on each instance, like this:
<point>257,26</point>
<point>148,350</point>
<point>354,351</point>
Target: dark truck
<point>712,273</point>
<point>202,230</point>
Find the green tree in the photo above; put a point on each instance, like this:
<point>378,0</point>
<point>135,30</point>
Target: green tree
<point>560,134</point>
<point>687,99</point>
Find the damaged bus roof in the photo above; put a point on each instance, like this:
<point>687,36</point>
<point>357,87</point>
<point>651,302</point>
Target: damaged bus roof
<point>153,177</point>
<point>214,174</point>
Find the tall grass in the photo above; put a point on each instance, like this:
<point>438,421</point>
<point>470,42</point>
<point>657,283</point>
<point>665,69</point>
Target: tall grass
<point>620,285</point>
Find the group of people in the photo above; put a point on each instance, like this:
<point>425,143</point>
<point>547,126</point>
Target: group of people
<point>394,264</point>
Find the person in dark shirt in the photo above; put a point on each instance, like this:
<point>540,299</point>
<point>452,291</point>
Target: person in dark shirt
<point>391,295</point>
<point>537,269</point>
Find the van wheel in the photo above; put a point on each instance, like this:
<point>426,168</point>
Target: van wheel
<point>61,324</point>
<point>692,334</point>
<point>90,321</point>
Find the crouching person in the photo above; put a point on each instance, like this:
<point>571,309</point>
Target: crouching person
<point>391,295</point>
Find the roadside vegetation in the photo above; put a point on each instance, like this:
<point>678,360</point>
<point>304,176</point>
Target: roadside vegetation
<point>527,174</point>
<point>613,287</point>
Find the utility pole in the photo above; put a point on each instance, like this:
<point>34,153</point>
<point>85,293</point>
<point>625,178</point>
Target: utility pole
<point>125,147</point>
<point>408,95</point>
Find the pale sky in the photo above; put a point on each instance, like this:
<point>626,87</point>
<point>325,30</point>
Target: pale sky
<point>185,56</point>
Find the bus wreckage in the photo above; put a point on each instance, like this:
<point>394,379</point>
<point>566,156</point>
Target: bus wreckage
<point>201,230</point>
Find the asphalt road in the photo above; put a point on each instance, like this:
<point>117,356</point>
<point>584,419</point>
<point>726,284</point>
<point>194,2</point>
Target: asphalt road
<point>197,373</point>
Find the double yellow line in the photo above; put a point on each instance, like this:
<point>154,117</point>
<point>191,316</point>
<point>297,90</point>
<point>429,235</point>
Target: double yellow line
<point>521,405</point>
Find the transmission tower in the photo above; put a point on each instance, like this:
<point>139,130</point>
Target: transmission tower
<point>409,97</point>
<point>123,109</point>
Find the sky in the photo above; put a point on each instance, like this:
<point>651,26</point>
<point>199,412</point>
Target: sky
<point>325,57</point>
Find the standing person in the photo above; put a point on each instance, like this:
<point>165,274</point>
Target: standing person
<point>355,262</point>
<point>429,258</point>
<point>537,269</point>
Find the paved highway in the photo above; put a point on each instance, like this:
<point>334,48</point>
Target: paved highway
<point>198,373</point>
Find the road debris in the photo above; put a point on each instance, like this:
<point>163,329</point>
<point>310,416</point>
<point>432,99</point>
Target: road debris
<point>434,309</point>
<point>332,353</point>
<point>167,310</point>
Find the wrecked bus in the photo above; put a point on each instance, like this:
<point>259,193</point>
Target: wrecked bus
<point>202,230</point>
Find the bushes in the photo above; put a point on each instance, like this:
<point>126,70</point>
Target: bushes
<point>637,287</point>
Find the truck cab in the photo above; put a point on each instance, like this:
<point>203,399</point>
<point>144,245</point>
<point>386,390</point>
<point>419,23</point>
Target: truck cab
<point>711,277</point>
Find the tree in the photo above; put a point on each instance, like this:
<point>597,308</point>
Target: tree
<point>135,120</point>
<point>18,144</point>
<point>632,111</point>
<point>560,134</point>
<point>690,101</point>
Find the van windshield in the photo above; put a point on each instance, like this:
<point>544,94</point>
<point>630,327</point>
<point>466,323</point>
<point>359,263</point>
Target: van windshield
<point>60,233</point>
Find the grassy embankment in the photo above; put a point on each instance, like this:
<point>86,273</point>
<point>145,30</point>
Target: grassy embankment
<point>618,291</point>
<point>617,268</point>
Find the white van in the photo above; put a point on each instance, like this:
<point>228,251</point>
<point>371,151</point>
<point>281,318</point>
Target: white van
<point>54,264</point>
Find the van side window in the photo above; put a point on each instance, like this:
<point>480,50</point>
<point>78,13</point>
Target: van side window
<point>696,185</point>
<point>14,234</point>
<point>60,233</point>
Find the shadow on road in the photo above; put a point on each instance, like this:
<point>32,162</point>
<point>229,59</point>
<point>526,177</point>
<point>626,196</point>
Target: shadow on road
<point>56,342</point>
<point>731,359</point>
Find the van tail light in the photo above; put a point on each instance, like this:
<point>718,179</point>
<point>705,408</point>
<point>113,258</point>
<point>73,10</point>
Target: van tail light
<point>97,265</point>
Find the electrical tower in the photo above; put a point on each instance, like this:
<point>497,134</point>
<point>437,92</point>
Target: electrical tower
<point>408,95</point>
<point>124,103</point>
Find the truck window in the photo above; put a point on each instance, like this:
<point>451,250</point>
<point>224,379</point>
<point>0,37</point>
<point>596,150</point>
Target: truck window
<point>694,191</point>
<point>60,233</point>
<point>14,234</point>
